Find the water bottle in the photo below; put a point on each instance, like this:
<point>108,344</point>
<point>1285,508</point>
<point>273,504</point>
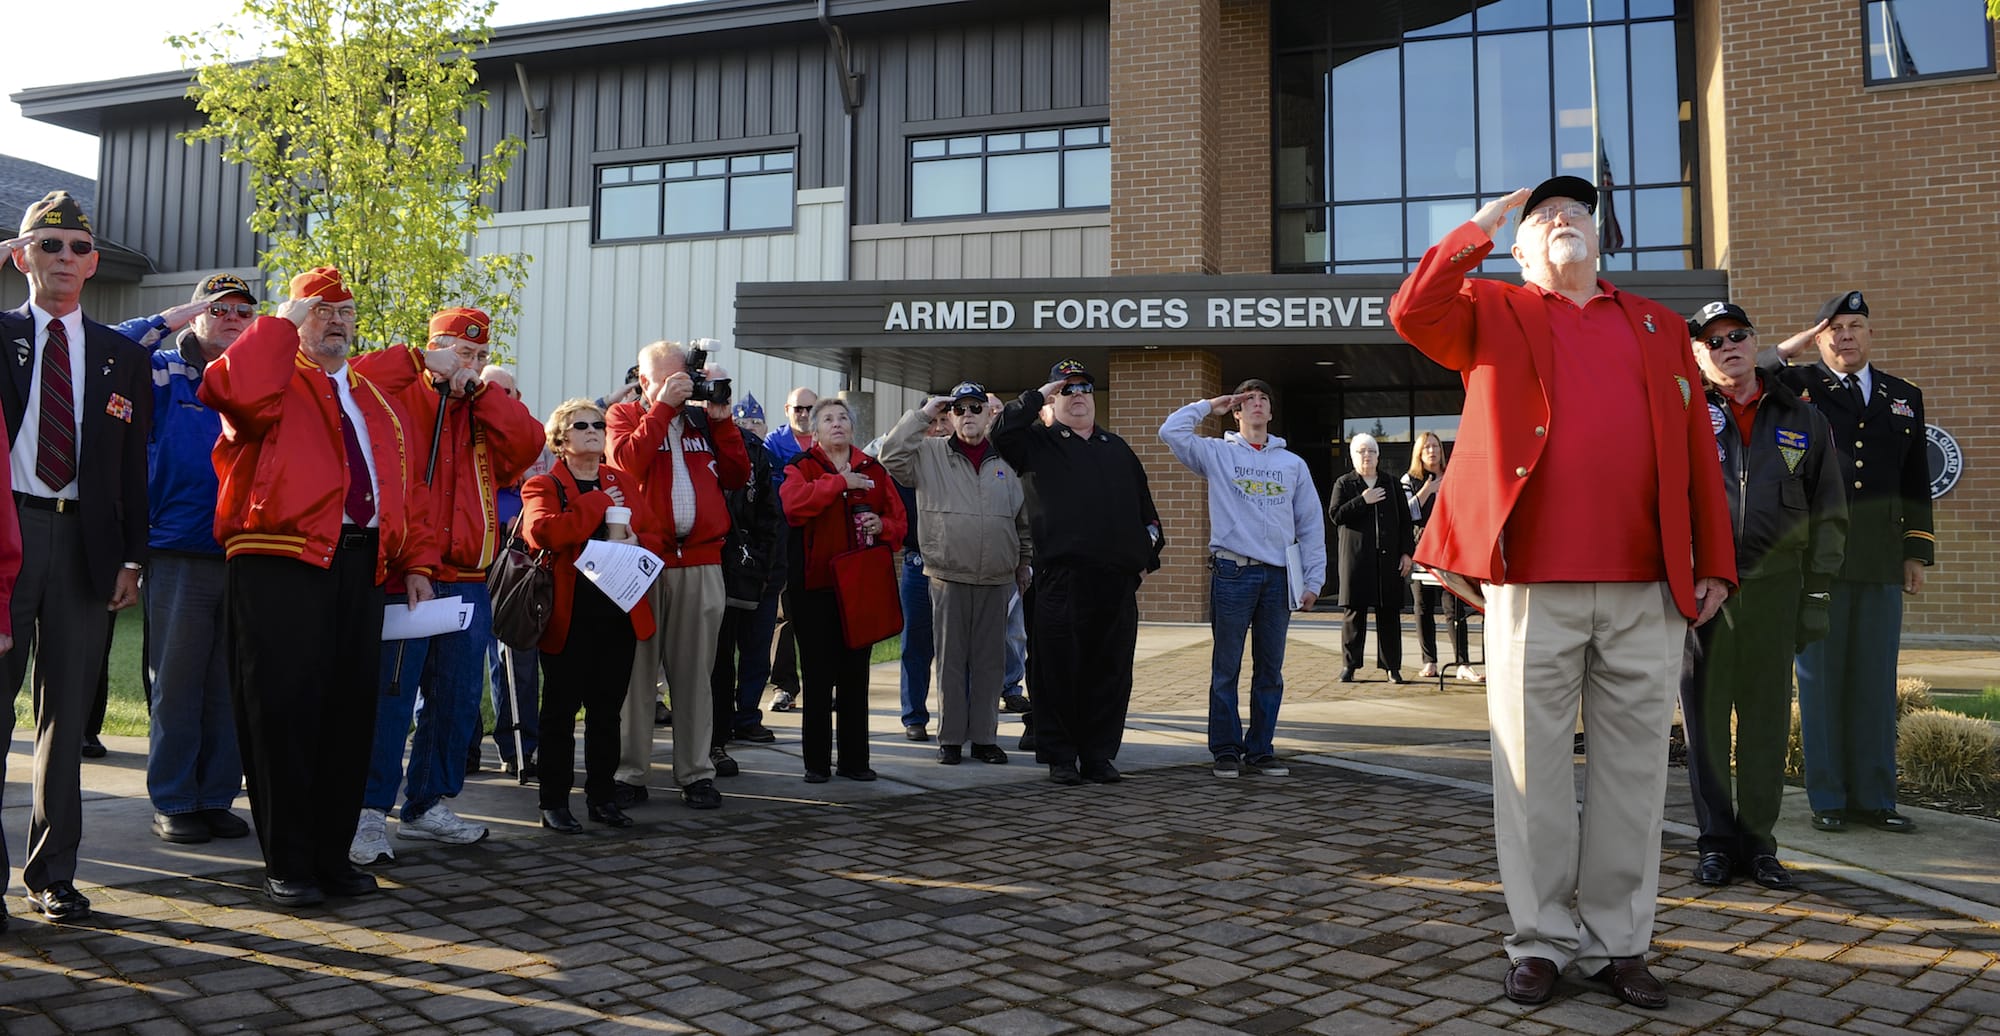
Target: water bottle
<point>861,535</point>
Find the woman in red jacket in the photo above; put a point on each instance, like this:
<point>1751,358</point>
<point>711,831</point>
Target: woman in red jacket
<point>837,498</point>
<point>587,647</point>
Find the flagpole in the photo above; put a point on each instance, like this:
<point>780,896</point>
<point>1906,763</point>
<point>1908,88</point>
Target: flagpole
<point>1596,127</point>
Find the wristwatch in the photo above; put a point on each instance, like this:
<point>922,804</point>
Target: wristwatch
<point>134,566</point>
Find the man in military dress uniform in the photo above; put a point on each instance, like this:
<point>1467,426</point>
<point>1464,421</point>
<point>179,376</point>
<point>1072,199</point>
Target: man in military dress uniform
<point>1847,682</point>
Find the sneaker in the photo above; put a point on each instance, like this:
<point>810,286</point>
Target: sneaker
<point>1469,675</point>
<point>785,701</point>
<point>440,824</point>
<point>755,734</point>
<point>1267,766</point>
<point>1429,671</point>
<point>1014,703</point>
<point>724,766</point>
<point>371,840</point>
<point>662,716</point>
<point>701,795</point>
<point>1226,767</point>
<point>989,754</point>
<point>625,796</point>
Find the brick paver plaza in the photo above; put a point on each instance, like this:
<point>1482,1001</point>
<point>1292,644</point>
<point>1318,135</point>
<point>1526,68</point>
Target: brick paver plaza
<point>1331,901</point>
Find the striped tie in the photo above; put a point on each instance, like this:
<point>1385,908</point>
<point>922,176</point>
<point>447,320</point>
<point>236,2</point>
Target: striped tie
<point>55,458</point>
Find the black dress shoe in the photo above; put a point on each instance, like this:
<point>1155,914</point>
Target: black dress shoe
<point>349,883</point>
<point>1027,742</point>
<point>1347,674</point>
<point>530,770</point>
<point>989,754</point>
<point>610,815</point>
<point>916,732</point>
<point>293,893</point>
<point>662,716</point>
<point>561,820</point>
<point>1885,819</point>
<point>625,796</point>
<point>222,823</point>
<point>817,777</point>
<point>1631,982</point>
<point>181,828</point>
<point>949,755</point>
<point>1531,980</point>
<point>60,902</point>
<point>1765,870</point>
<point>92,747</point>
<point>1714,869</point>
<point>855,773</point>
<point>724,765</point>
<point>1395,676</point>
<point>1100,771</point>
<point>473,762</point>
<point>1015,703</point>
<point>755,734</point>
<point>1829,820</point>
<point>702,795</point>
<point>1065,774</point>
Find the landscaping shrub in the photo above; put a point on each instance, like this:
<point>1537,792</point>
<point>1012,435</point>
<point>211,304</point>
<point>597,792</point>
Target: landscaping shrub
<point>1944,753</point>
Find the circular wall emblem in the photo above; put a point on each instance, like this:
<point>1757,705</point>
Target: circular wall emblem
<point>1947,462</point>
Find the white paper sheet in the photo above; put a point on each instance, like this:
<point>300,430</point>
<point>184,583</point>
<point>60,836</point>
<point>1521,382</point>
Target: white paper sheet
<point>435,616</point>
<point>1295,576</point>
<point>624,572</point>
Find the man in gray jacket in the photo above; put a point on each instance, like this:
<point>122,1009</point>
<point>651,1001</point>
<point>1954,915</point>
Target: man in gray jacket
<point>973,535</point>
<point>1263,520</point>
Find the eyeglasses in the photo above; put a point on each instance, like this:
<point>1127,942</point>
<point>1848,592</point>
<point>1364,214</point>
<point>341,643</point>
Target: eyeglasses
<point>241,309</point>
<point>1081,388</point>
<point>1576,211</point>
<point>967,408</point>
<point>1736,337</point>
<point>324,310</point>
<point>54,245</point>
<point>585,426</point>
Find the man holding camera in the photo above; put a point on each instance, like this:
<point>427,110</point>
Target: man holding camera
<point>685,458</point>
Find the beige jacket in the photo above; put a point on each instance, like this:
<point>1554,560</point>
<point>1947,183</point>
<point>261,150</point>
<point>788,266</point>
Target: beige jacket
<point>972,526</point>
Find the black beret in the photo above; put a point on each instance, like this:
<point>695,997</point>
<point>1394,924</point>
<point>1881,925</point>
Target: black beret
<point>1846,302</point>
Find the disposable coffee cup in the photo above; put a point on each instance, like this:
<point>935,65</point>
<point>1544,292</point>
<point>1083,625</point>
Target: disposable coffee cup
<point>617,518</point>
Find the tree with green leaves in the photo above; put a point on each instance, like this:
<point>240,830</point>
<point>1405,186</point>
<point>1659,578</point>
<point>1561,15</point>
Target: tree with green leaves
<point>348,115</point>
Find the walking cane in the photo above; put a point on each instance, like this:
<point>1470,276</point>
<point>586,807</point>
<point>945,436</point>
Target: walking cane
<point>430,469</point>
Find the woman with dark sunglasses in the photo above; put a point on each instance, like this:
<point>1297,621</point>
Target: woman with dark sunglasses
<point>588,644</point>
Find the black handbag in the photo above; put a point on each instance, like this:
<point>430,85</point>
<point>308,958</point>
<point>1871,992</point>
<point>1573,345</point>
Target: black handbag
<point>522,586</point>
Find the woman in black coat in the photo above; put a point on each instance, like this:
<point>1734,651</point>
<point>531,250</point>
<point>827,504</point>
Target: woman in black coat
<point>1376,537</point>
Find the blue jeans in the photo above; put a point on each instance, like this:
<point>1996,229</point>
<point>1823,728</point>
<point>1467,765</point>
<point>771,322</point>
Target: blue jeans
<point>1847,699</point>
<point>1251,598</point>
<point>516,676</point>
<point>1017,646</point>
<point>754,661</point>
<point>918,649</point>
<point>193,763</point>
<point>451,671</point>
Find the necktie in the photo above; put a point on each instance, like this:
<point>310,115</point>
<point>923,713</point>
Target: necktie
<point>1853,385</point>
<point>55,453</point>
<point>360,504</point>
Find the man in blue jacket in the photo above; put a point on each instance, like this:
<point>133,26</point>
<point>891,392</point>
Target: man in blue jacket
<point>192,769</point>
<point>1261,504</point>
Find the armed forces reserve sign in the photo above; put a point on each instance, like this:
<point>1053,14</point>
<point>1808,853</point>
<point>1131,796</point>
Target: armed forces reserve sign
<point>1947,462</point>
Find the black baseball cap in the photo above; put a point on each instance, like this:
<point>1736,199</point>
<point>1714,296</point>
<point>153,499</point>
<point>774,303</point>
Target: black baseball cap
<point>1713,312</point>
<point>968,390</point>
<point>1562,187</point>
<point>1067,369</point>
<point>217,287</point>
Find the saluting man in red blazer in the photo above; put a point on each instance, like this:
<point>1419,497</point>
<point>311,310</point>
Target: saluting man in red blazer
<point>1587,505</point>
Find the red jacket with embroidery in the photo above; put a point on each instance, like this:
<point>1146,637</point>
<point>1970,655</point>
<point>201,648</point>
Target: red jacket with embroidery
<point>817,500</point>
<point>283,465</point>
<point>489,441</point>
<point>550,526</point>
<point>716,462</point>
<point>1497,336</point>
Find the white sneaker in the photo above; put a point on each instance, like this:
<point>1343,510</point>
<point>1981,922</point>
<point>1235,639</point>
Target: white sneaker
<point>371,840</point>
<point>1430,671</point>
<point>440,824</point>
<point>1466,673</point>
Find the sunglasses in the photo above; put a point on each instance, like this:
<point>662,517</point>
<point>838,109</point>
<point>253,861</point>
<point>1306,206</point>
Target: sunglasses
<point>241,309</point>
<point>584,426</point>
<point>1081,388</point>
<point>54,245</point>
<point>968,408</point>
<point>1737,337</point>
<point>804,409</point>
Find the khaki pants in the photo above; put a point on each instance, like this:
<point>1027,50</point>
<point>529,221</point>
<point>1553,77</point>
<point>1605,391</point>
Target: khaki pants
<point>969,627</point>
<point>1613,650</point>
<point>687,607</point>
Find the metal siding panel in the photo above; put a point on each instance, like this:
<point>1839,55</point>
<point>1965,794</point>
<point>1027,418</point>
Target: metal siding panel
<point>160,196</point>
<point>707,93</point>
<point>919,78</point>
<point>976,255</point>
<point>1096,252</point>
<point>888,147</point>
<point>948,75</point>
<point>757,93</point>
<point>680,102</point>
<point>1035,254</point>
<point>658,128</point>
<point>1006,256</point>
<point>1007,66</point>
<point>631,106</point>
<point>791,70</point>
<point>1066,50</point>
<point>1066,253</point>
<point>730,96</point>
<point>605,87</point>
<point>1097,59</point>
<point>976,75</point>
<point>1037,66</point>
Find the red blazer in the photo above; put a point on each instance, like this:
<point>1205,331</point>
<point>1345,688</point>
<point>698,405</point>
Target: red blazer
<point>283,467</point>
<point>550,526</point>
<point>817,499</point>
<point>489,442</point>
<point>1497,336</point>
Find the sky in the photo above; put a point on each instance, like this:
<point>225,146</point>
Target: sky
<point>127,38</point>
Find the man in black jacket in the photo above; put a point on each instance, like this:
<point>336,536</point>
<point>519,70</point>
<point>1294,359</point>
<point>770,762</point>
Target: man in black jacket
<point>753,572</point>
<point>1789,516</point>
<point>1847,682</point>
<point>1096,534</point>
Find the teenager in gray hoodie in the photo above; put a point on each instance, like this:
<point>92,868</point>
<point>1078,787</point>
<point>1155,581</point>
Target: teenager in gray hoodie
<point>1265,535</point>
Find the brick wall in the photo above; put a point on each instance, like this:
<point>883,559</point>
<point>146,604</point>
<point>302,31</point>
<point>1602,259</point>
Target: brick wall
<point>1244,137</point>
<point>1143,387</point>
<point>1892,190</point>
<point>1165,156</point>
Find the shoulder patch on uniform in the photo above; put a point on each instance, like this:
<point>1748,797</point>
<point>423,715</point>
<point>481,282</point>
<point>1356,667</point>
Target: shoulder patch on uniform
<point>1795,440</point>
<point>1687,393</point>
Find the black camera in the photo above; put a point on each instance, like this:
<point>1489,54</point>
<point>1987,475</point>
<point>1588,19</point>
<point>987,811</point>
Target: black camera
<point>706,390</point>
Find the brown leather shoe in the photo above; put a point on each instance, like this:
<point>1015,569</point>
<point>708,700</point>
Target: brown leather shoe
<point>1631,982</point>
<point>1532,980</point>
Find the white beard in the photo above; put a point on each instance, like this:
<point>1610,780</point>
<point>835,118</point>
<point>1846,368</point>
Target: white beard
<point>1567,248</point>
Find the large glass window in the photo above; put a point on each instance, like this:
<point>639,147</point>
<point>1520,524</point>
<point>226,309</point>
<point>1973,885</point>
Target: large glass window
<point>1395,122</point>
<point>1037,170</point>
<point>1925,39</point>
<point>686,197</point>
